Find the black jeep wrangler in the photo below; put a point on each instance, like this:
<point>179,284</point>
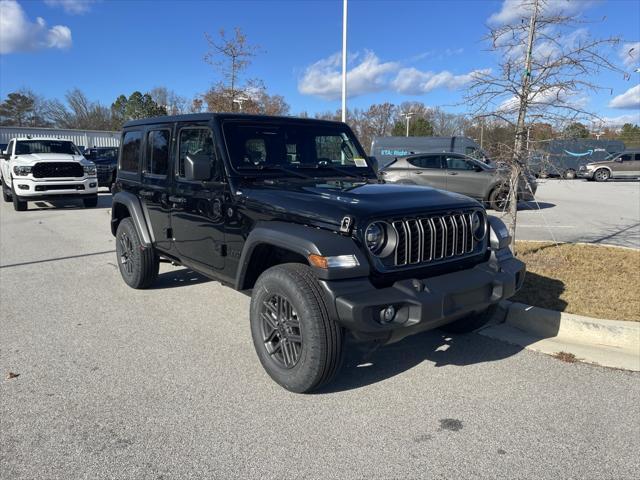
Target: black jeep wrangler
<point>292,211</point>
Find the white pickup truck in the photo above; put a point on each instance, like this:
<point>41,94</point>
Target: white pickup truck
<point>46,169</point>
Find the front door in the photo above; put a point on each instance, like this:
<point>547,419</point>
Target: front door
<point>463,177</point>
<point>156,183</point>
<point>197,213</point>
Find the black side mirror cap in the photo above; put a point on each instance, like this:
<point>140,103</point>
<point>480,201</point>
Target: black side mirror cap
<point>197,167</point>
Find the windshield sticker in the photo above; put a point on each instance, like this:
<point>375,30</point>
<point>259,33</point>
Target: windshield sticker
<point>360,162</point>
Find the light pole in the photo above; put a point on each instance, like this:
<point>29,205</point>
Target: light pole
<point>407,115</point>
<point>239,101</point>
<point>344,60</point>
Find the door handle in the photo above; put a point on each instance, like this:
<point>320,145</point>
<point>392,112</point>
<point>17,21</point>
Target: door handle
<point>146,194</point>
<point>452,173</point>
<point>177,200</point>
<point>418,173</point>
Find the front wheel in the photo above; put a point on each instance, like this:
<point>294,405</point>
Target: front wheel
<point>18,205</point>
<point>138,265</point>
<point>471,322</point>
<point>299,345</point>
<point>602,175</point>
<point>570,174</point>
<point>6,192</point>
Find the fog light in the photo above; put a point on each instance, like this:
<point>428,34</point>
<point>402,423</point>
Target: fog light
<point>23,187</point>
<point>387,315</point>
<point>91,185</point>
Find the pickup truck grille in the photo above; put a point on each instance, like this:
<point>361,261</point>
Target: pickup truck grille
<point>57,170</point>
<point>434,238</point>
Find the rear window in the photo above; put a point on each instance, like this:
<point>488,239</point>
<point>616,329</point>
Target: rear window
<point>158,152</point>
<point>426,162</point>
<point>130,159</point>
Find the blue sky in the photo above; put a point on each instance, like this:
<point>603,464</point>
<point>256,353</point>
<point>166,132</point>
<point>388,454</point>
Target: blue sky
<point>399,50</point>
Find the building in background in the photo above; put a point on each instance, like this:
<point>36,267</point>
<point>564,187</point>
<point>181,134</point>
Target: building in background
<point>82,138</point>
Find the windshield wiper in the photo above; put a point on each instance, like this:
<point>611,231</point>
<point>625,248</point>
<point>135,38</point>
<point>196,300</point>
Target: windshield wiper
<point>278,168</point>
<point>336,169</point>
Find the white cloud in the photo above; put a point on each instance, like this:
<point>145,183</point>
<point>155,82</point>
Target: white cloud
<point>516,10</point>
<point>324,77</point>
<point>628,99</point>
<point>542,100</point>
<point>412,81</point>
<point>630,54</point>
<point>19,34</point>
<point>633,118</point>
<point>73,7</point>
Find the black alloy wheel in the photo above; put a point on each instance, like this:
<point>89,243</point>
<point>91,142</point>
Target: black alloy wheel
<point>281,331</point>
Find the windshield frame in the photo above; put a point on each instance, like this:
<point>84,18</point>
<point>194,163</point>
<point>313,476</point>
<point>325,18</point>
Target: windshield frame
<point>355,171</point>
<point>74,148</point>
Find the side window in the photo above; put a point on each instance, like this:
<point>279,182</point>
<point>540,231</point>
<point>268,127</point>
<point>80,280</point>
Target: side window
<point>157,153</point>
<point>130,159</point>
<point>625,158</point>
<point>432,161</point>
<point>457,163</point>
<point>196,140</point>
<point>637,157</point>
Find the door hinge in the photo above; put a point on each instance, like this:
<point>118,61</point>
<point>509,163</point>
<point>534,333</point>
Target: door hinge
<point>220,249</point>
<point>169,232</point>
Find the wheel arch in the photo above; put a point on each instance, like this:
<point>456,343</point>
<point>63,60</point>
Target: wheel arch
<point>125,205</point>
<point>272,243</point>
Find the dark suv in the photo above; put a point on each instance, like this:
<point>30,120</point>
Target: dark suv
<point>291,210</point>
<point>106,160</point>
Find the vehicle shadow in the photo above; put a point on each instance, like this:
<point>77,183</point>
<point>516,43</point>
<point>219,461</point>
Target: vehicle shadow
<point>182,277</point>
<point>365,364</point>
<point>535,205</point>
<point>104,201</point>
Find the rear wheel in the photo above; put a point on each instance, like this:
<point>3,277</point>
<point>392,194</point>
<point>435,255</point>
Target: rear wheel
<point>602,175</point>
<point>299,345</point>
<point>471,322</point>
<point>138,265</point>
<point>499,199</point>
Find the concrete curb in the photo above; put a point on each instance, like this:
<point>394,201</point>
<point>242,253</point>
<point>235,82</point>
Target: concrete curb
<point>610,343</point>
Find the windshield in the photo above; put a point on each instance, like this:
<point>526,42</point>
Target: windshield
<point>108,154</point>
<point>292,146</point>
<point>27,147</point>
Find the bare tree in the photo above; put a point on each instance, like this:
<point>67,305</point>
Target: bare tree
<point>174,103</point>
<point>546,64</point>
<point>230,57</point>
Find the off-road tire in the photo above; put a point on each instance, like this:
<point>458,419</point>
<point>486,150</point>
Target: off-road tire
<point>471,322</point>
<point>6,192</point>
<point>322,340</point>
<point>18,205</point>
<point>601,175</point>
<point>90,202</point>
<point>499,199</point>
<point>138,265</point>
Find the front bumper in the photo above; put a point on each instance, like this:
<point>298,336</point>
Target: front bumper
<point>588,174</point>
<point>30,188</point>
<point>424,304</point>
<point>106,176</point>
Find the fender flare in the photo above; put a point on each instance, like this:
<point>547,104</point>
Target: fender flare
<point>136,212</point>
<point>303,240</point>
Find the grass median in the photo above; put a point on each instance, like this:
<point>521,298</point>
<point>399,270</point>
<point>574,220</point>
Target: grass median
<point>591,280</point>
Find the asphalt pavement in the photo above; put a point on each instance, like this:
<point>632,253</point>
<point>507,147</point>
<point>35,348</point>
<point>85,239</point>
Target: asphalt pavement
<point>581,211</point>
<point>115,383</point>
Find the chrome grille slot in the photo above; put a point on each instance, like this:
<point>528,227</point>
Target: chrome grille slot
<point>429,239</point>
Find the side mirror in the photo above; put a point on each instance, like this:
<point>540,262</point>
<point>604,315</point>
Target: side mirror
<point>619,159</point>
<point>477,168</point>
<point>6,156</point>
<point>197,167</point>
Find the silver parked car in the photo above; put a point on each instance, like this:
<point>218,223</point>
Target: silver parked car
<point>458,173</point>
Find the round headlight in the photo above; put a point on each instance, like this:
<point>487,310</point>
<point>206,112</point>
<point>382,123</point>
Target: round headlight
<point>478,226</point>
<point>374,237</point>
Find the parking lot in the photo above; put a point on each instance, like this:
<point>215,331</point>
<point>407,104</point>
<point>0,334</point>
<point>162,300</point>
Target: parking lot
<point>164,383</point>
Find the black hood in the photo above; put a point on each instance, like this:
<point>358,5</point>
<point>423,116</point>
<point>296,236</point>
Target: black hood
<point>326,205</point>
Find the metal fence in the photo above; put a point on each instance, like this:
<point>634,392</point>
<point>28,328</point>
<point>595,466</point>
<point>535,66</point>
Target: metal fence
<point>82,138</point>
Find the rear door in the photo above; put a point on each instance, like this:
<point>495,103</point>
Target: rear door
<point>197,213</point>
<point>636,164</point>
<point>463,177</point>
<point>428,171</point>
<point>156,182</point>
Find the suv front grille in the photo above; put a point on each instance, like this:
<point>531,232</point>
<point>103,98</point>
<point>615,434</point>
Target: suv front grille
<point>57,169</point>
<point>434,238</point>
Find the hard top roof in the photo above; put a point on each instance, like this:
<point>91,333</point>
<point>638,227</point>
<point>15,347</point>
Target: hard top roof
<point>199,117</point>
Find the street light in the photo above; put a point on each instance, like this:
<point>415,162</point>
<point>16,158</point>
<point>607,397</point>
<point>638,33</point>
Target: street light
<point>239,101</point>
<point>407,115</point>
<point>344,60</point>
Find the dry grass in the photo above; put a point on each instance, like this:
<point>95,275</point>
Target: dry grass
<point>565,357</point>
<point>591,280</point>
